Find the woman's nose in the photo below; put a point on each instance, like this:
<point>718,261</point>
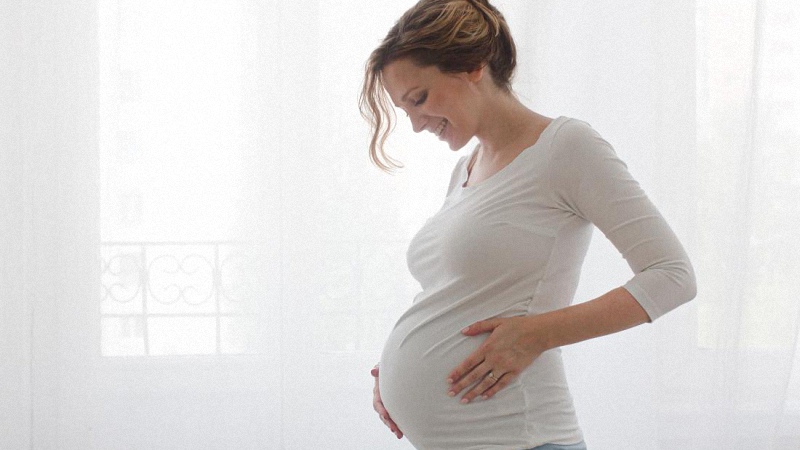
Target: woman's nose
<point>417,122</point>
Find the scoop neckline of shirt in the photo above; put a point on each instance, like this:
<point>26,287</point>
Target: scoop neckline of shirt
<point>465,173</point>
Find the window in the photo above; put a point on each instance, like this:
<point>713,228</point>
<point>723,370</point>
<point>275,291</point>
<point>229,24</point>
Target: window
<point>174,279</point>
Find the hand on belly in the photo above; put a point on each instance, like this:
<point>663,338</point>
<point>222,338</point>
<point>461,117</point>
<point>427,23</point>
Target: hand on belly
<point>510,348</point>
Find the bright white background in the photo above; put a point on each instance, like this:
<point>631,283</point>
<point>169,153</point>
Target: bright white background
<point>133,129</point>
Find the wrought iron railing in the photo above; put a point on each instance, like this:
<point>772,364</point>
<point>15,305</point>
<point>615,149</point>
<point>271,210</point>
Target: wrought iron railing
<point>174,298</point>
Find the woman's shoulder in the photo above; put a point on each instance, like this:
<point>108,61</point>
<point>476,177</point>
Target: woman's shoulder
<point>571,130</point>
<point>574,138</point>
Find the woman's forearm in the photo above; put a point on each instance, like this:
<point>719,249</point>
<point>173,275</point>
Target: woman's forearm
<point>614,311</point>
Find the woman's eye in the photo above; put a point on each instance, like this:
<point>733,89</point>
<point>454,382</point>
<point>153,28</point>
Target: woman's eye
<point>422,99</point>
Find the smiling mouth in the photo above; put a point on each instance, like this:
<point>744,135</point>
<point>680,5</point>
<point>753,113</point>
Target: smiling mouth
<point>440,129</point>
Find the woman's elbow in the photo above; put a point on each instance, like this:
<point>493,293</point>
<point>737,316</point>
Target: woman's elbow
<point>686,280</point>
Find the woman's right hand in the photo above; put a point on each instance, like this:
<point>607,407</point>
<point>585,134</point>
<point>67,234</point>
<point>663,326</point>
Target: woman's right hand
<point>380,409</point>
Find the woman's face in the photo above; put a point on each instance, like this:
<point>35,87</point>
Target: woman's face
<point>444,104</point>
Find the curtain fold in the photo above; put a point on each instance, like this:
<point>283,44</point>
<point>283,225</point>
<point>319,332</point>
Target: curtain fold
<point>15,343</point>
<point>747,123</point>
<point>50,216</point>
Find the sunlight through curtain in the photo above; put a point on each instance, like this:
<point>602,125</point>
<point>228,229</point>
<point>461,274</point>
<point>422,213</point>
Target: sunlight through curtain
<point>197,253</point>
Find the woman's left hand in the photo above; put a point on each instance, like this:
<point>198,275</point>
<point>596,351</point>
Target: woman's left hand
<point>511,347</point>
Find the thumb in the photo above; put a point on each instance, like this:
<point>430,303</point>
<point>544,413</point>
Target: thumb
<point>484,326</point>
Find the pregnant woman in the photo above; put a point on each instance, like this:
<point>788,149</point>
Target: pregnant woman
<point>475,363</point>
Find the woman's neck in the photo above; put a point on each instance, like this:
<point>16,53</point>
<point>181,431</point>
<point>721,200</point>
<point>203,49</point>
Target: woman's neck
<point>507,128</point>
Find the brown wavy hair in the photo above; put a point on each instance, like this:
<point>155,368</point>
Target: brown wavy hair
<point>453,35</point>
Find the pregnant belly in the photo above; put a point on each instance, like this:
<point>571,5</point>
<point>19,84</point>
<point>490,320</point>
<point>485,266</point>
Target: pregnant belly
<point>416,360</point>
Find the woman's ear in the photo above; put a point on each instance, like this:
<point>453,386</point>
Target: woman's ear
<point>477,74</point>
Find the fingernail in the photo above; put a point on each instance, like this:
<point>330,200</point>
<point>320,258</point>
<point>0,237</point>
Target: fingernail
<point>449,381</point>
<point>464,401</point>
<point>465,330</point>
<point>485,397</point>
<point>451,393</point>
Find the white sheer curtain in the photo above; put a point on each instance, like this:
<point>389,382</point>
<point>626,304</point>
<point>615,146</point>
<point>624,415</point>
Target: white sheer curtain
<point>146,144</point>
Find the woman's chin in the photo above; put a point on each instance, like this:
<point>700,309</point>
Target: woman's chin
<point>455,145</point>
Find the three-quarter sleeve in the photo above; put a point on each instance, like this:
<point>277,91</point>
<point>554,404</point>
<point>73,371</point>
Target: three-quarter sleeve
<point>590,180</point>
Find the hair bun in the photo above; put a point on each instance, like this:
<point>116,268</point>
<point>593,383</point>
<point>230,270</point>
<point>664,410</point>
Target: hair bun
<point>488,12</point>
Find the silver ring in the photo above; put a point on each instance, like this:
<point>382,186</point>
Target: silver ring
<point>492,377</point>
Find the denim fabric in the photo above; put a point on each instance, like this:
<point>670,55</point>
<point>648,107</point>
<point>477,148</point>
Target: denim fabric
<point>578,446</point>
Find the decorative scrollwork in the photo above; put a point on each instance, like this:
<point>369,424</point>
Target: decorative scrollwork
<point>189,279</point>
<point>236,278</point>
<point>122,277</point>
<point>193,282</point>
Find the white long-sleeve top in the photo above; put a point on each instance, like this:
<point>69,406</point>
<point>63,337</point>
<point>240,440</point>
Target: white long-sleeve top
<point>513,245</point>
